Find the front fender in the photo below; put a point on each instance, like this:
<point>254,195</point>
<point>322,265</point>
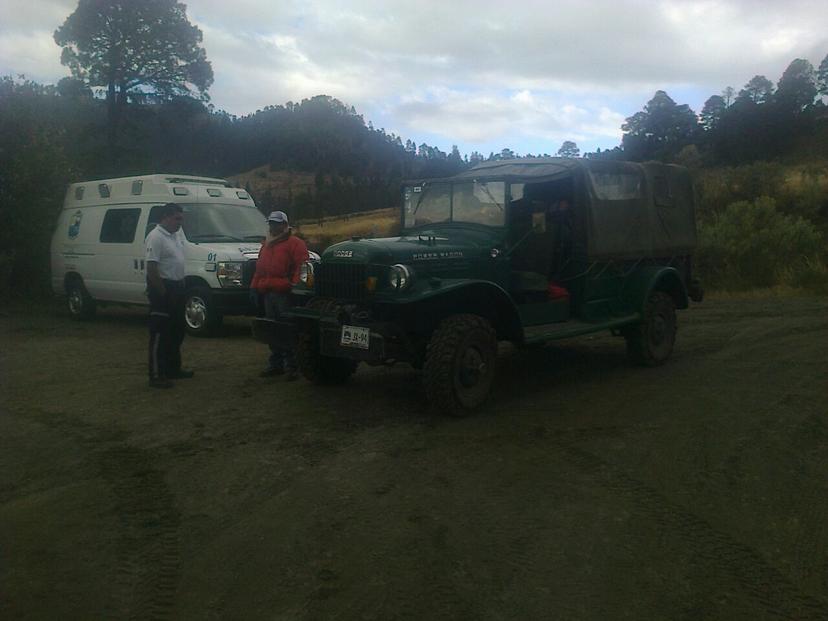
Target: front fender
<point>641,284</point>
<point>436,300</point>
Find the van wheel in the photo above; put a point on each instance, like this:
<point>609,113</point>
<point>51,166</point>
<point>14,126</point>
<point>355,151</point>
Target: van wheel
<point>460,364</point>
<point>80,303</point>
<point>650,342</point>
<point>200,315</point>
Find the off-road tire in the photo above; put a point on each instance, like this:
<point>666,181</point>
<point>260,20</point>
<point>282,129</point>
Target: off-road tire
<point>315,367</point>
<point>200,315</point>
<point>452,384</point>
<point>650,342</point>
<point>80,304</point>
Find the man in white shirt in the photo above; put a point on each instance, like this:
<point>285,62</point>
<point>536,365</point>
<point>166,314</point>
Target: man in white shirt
<point>165,288</point>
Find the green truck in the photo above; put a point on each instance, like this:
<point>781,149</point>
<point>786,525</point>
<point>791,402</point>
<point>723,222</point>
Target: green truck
<point>526,250</point>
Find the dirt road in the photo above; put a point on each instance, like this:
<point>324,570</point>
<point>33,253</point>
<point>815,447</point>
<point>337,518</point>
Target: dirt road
<point>587,489</point>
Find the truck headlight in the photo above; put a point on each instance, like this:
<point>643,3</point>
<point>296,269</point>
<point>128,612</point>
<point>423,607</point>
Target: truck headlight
<point>401,276</point>
<point>306,274</point>
<point>230,273</point>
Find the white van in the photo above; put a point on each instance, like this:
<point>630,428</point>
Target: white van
<point>98,247</point>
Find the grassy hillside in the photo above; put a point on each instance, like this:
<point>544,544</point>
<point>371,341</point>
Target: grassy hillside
<point>763,225</point>
<point>322,233</point>
<point>277,186</point>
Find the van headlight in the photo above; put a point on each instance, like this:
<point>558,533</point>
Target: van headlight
<point>401,276</point>
<point>306,274</point>
<point>230,273</point>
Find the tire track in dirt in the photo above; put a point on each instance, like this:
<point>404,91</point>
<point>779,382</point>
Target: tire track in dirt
<point>506,543</point>
<point>808,437</point>
<point>417,556</point>
<point>148,543</point>
<point>783,420</point>
<point>148,558</point>
<point>763,583</point>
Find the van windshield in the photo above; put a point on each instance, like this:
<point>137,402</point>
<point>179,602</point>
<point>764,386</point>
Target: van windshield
<point>215,222</point>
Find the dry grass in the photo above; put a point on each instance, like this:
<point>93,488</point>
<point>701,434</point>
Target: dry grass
<point>323,233</point>
<point>319,234</point>
<point>280,183</point>
<point>801,178</point>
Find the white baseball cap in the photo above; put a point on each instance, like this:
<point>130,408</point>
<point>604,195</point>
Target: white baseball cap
<point>277,216</point>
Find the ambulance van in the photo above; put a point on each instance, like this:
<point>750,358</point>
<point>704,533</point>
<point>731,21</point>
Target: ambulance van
<point>98,247</point>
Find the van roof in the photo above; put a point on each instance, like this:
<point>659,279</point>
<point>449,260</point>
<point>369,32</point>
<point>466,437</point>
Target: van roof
<point>161,178</point>
<point>155,187</point>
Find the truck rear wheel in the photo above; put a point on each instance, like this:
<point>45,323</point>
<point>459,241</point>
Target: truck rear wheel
<point>650,342</point>
<point>460,364</point>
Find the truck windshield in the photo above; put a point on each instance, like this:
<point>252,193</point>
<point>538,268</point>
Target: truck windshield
<point>476,202</point>
<point>214,222</point>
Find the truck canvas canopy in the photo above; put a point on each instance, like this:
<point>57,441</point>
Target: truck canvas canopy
<point>622,209</point>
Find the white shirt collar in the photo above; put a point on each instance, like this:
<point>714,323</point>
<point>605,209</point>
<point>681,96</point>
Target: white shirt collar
<point>165,231</point>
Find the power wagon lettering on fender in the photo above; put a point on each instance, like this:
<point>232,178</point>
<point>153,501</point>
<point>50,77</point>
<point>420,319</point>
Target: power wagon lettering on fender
<point>426,256</point>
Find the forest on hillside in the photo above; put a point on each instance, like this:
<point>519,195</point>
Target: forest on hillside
<point>153,115</point>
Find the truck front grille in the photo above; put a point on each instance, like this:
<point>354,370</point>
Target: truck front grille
<point>341,281</point>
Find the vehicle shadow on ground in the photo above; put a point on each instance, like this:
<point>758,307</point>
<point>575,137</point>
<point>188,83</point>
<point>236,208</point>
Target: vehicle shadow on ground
<point>234,328</point>
<point>377,395</point>
<point>537,371</point>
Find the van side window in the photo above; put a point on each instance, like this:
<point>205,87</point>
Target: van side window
<point>119,226</point>
<point>154,218</point>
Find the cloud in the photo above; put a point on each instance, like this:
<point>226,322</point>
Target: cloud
<point>26,43</point>
<point>503,118</point>
<point>34,15</point>
<point>34,54</point>
<point>470,69</point>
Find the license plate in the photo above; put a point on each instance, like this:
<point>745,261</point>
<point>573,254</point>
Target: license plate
<point>354,336</point>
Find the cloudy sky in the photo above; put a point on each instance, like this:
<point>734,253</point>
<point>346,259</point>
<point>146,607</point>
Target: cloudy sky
<point>483,75</point>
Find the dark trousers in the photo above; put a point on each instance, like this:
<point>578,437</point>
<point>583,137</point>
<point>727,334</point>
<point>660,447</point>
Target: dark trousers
<point>166,329</point>
<point>280,357</point>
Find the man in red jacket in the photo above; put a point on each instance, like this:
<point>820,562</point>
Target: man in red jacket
<point>277,270</point>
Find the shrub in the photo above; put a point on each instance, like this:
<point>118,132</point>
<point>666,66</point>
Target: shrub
<point>805,193</point>
<point>32,184</point>
<point>753,244</point>
<point>720,187</point>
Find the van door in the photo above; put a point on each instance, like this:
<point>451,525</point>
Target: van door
<point>120,257</point>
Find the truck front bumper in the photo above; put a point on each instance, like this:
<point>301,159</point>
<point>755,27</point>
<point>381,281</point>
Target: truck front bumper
<point>327,337</point>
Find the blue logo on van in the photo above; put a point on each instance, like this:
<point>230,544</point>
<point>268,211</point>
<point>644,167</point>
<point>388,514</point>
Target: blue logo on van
<point>74,224</point>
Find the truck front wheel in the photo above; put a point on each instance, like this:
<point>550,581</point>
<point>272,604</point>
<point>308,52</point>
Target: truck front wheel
<point>460,364</point>
<point>650,342</point>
